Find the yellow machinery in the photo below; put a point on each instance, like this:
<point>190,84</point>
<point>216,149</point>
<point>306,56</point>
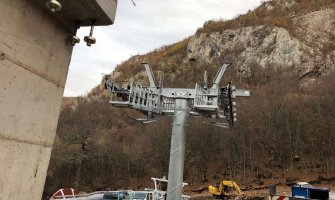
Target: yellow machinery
<point>224,189</point>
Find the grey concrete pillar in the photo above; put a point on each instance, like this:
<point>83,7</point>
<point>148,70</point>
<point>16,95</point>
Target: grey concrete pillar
<point>34,60</point>
<point>33,68</point>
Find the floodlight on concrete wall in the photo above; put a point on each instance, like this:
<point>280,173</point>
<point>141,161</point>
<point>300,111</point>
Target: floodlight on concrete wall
<point>90,39</point>
<point>53,5</point>
<point>75,39</point>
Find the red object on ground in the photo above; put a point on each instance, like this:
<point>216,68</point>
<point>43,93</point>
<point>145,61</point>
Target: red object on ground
<point>64,193</point>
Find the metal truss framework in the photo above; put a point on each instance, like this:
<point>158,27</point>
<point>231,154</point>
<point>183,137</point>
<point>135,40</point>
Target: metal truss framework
<point>214,102</point>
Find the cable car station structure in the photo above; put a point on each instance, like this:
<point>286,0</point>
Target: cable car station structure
<point>215,103</point>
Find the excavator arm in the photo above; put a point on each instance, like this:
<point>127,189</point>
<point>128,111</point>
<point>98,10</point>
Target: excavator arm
<point>224,189</point>
<point>237,188</point>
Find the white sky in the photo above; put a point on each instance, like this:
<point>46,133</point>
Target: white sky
<point>140,29</point>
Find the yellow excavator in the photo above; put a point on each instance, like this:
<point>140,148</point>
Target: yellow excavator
<point>225,189</point>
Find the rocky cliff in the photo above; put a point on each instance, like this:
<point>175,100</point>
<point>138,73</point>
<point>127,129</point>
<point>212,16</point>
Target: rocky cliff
<point>296,36</point>
<point>282,35</point>
<point>302,50</point>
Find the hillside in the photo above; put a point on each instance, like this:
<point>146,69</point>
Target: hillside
<point>283,51</point>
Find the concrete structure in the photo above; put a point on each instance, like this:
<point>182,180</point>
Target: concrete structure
<point>34,59</point>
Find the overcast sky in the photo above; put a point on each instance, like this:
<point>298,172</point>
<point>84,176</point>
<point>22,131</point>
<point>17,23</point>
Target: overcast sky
<point>140,29</point>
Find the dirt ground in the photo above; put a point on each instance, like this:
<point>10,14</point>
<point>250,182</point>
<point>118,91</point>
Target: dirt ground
<point>261,193</point>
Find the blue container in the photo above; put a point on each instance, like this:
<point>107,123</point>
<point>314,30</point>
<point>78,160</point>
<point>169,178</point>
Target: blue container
<point>300,192</point>
<point>310,193</point>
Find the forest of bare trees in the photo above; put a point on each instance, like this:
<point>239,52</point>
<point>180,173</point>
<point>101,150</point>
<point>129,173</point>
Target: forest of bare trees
<point>285,129</point>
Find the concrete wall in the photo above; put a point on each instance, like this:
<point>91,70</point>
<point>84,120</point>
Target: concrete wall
<point>34,60</point>
<point>102,11</point>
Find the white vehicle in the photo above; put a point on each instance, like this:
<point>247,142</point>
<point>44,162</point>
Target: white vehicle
<point>140,195</point>
<point>158,193</point>
<point>115,195</point>
<point>304,185</point>
<point>99,195</point>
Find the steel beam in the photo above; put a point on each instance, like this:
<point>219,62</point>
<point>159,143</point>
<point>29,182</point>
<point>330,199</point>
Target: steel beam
<point>177,151</point>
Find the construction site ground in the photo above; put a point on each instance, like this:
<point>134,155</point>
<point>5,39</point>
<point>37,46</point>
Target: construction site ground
<point>262,192</point>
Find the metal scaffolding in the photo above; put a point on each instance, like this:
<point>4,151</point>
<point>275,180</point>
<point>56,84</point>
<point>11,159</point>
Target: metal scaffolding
<point>215,103</point>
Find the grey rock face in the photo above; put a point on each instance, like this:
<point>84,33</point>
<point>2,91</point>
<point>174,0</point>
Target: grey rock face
<point>272,46</point>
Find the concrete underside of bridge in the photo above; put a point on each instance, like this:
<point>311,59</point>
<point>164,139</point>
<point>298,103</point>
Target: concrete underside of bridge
<point>34,60</point>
